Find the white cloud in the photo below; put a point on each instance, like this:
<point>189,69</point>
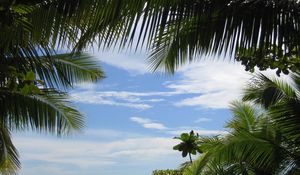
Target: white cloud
<point>109,134</point>
<point>86,85</point>
<point>147,123</point>
<point>86,154</point>
<point>212,100</point>
<point>213,84</point>
<point>92,97</point>
<point>203,119</point>
<point>140,120</point>
<point>216,83</point>
<point>138,100</point>
<point>155,100</point>
<point>48,169</point>
<point>135,63</point>
<point>158,126</point>
<point>128,94</point>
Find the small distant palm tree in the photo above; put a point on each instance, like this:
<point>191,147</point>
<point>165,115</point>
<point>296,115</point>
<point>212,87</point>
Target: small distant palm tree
<point>189,144</point>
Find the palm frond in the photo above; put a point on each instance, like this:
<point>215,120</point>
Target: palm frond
<point>175,31</point>
<point>281,99</point>
<point>257,150</point>
<point>286,114</point>
<point>178,31</point>
<point>296,79</point>
<point>265,91</point>
<point>197,166</point>
<point>48,112</point>
<point>245,116</point>
<point>76,69</point>
<point>58,70</point>
<point>9,161</point>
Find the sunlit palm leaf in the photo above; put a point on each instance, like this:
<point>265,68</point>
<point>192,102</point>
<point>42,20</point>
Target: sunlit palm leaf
<point>75,69</point>
<point>9,161</point>
<point>245,117</point>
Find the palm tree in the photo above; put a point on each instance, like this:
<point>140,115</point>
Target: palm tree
<point>252,146</point>
<point>33,76</point>
<point>176,32</point>
<point>188,145</point>
<point>282,101</point>
<point>262,33</point>
<point>32,31</point>
<point>263,138</point>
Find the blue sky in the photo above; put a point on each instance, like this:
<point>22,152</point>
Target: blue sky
<point>132,116</point>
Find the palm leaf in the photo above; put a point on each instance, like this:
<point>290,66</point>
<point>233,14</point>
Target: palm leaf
<point>9,163</point>
<point>49,112</point>
<point>76,69</point>
<point>178,31</point>
<point>265,91</point>
<point>245,117</point>
<point>197,166</point>
<point>57,71</point>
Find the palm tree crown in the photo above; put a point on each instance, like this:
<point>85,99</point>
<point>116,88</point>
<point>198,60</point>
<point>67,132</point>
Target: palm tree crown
<point>188,145</point>
<point>33,76</point>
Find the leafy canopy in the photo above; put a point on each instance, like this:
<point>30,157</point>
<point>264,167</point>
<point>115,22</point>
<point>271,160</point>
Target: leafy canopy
<point>33,76</point>
<point>263,135</point>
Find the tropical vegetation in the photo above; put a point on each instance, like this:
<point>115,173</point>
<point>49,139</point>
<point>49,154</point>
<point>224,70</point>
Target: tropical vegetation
<point>175,31</point>
<point>189,144</point>
<point>259,33</point>
<point>263,135</point>
<point>167,172</point>
<point>34,76</point>
<point>36,69</point>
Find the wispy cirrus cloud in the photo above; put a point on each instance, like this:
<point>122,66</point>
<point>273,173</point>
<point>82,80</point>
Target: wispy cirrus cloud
<point>209,85</point>
<point>135,63</point>
<point>147,123</point>
<point>213,84</point>
<point>203,119</point>
<point>108,134</point>
<point>92,97</point>
<point>137,100</point>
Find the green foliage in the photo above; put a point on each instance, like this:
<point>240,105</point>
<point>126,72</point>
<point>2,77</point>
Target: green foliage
<point>9,155</point>
<point>261,33</point>
<point>263,135</point>
<point>33,76</point>
<point>267,59</point>
<point>189,144</point>
<point>167,172</point>
<point>282,101</point>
